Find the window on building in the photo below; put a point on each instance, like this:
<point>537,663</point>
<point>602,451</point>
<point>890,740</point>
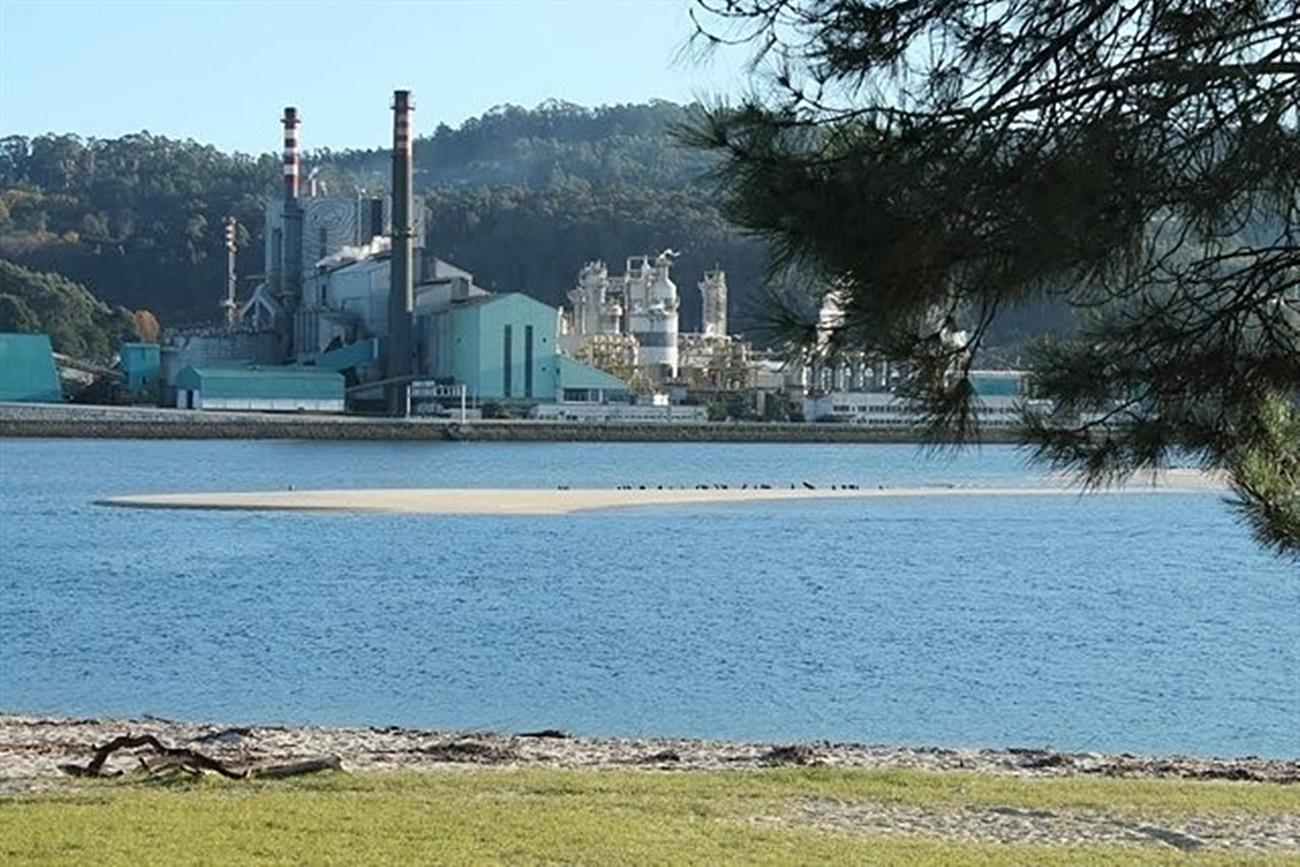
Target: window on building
<point>507,361</point>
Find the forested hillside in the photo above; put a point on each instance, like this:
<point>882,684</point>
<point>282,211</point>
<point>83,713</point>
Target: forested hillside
<point>77,322</point>
<point>520,197</point>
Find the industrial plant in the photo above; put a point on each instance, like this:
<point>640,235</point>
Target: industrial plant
<point>353,313</point>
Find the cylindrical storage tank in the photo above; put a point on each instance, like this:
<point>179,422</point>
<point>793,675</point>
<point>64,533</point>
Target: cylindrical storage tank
<point>713,293</point>
<point>655,325</point>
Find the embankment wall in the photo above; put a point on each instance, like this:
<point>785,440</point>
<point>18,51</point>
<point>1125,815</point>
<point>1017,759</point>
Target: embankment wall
<point>87,422</point>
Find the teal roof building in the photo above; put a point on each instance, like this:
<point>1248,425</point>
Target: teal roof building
<point>579,382</point>
<point>504,348</point>
<point>27,371</point>
<point>141,365</point>
<point>260,389</point>
<point>500,347</point>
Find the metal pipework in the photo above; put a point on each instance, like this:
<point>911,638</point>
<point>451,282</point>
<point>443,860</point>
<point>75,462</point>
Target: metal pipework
<point>401,294</point>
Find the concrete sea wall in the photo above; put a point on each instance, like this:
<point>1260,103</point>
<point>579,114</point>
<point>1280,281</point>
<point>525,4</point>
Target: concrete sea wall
<point>89,422</point>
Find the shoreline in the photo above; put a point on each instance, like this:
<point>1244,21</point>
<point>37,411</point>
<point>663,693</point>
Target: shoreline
<point>69,421</point>
<point>32,747</point>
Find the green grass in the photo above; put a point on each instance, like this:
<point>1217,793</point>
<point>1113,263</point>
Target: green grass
<point>597,817</point>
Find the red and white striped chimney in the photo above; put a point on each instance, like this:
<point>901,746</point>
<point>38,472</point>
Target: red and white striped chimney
<point>291,162</point>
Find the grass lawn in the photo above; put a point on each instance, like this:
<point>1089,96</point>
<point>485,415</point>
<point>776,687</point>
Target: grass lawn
<point>594,817</point>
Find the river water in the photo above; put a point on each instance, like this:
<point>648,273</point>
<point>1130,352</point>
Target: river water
<point>1143,623</point>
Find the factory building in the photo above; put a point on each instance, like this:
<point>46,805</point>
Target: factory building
<point>213,346</point>
<point>27,370</point>
<point>260,389</point>
<point>334,229</point>
<point>629,326</point>
<point>652,317</point>
<point>500,347</point>
<point>641,304</point>
<point>587,394</point>
<point>141,365</point>
<point>349,289</point>
<point>1000,398</point>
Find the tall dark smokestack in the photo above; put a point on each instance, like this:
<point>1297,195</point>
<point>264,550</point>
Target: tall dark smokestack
<point>292,211</point>
<point>401,293</point>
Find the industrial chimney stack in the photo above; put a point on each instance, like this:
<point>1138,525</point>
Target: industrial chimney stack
<point>401,295</point>
<point>230,304</point>
<point>292,211</point>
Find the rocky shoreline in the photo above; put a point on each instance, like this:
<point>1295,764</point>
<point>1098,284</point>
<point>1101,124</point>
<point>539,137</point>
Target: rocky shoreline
<point>32,748</point>
<point>57,421</point>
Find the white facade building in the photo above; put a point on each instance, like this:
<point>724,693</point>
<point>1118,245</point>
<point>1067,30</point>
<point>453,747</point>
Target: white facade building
<point>1001,398</point>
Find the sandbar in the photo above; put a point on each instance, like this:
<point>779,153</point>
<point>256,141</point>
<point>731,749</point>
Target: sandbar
<point>562,501</point>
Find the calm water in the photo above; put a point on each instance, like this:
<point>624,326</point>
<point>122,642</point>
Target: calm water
<point>1141,623</point>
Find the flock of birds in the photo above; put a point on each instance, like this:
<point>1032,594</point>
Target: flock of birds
<point>718,486</point>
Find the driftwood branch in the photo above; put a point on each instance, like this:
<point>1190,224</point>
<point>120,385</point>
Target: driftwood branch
<point>306,766</point>
<point>176,756</point>
<point>191,762</point>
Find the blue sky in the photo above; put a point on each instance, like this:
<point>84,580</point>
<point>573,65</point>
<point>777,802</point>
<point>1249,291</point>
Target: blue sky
<point>220,71</point>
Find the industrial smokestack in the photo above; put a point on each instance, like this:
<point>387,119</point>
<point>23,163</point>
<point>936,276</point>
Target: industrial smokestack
<point>292,211</point>
<point>401,294</point>
<point>230,305</point>
<point>290,121</point>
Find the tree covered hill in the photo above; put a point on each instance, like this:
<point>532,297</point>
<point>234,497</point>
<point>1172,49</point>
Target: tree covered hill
<point>520,197</point>
<point>509,145</point>
<point>78,323</point>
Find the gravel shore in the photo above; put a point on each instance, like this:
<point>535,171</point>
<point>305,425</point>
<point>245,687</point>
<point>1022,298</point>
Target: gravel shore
<point>32,748</point>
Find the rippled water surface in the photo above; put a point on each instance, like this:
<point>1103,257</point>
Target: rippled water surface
<point>1137,622</point>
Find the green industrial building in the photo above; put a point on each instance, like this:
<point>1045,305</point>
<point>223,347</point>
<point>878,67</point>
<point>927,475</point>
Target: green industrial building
<point>260,389</point>
<point>500,347</point>
<point>582,383</point>
<point>27,371</point>
<point>141,365</point>
<point>503,348</point>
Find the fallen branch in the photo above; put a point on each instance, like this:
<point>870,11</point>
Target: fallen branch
<point>306,766</point>
<point>191,762</point>
<point>176,756</point>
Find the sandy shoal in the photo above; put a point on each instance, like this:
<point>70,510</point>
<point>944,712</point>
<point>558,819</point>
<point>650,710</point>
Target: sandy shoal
<point>528,501</point>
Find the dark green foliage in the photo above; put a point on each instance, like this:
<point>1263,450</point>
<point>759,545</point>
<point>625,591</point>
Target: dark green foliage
<point>78,323</point>
<point>520,197</point>
<point>509,145</point>
<point>137,219</point>
<point>534,240</point>
<point>939,163</point>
